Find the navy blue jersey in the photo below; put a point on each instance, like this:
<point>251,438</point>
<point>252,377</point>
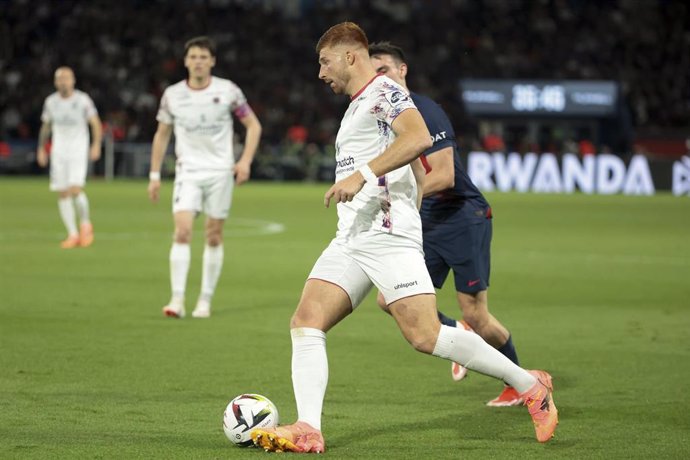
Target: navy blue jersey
<point>463,203</point>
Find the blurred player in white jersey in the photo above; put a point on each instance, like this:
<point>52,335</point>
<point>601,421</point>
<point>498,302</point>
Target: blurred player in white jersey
<point>67,115</point>
<point>200,112</point>
<point>379,243</point>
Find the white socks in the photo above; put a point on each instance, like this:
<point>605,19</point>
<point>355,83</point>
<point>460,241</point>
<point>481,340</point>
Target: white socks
<point>470,350</point>
<point>180,254</point>
<point>213,263</point>
<point>309,373</point>
<point>67,214</point>
<point>82,204</point>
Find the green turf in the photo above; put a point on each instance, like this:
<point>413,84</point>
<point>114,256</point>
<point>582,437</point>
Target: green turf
<point>595,289</point>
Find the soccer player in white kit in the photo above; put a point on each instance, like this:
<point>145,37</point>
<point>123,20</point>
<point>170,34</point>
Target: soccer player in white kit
<point>67,115</point>
<point>378,243</point>
<point>200,112</point>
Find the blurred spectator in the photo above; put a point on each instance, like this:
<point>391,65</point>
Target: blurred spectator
<point>586,147</point>
<point>493,143</point>
<point>5,149</point>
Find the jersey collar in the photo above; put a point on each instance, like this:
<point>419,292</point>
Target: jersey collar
<point>199,89</point>
<point>365,86</point>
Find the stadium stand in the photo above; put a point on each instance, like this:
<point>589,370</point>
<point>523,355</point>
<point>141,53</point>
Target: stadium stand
<point>125,53</point>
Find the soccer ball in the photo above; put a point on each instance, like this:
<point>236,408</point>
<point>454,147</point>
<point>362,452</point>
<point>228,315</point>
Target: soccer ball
<point>245,413</point>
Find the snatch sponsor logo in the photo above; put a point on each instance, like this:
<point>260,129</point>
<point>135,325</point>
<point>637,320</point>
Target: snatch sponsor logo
<point>210,129</point>
<point>344,165</point>
<point>405,285</point>
<point>347,161</point>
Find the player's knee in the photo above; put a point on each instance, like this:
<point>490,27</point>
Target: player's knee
<point>305,316</point>
<point>473,312</point>
<point>476,318</point>
<point>214,233</point>
<point>214,239</point>
<point>183,235</point>
<point>420,327</point>
<point>422,341</point>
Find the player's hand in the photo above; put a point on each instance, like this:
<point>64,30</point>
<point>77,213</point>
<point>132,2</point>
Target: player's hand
<point>42,157</point>
<point>95,152</point>
<point>154,190</point>
<point>344,190</point>
<point>241,171</point>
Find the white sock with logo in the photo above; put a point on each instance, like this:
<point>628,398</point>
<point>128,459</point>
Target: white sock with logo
<point>309,373</point>
<point>180,255</point>
<point>66,208</point>
<point>82,203</point>
<point>210,272</point>
<point>470,350</point>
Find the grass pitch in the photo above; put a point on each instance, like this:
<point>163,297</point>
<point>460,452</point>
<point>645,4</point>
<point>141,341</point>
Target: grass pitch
<point>595,289</point>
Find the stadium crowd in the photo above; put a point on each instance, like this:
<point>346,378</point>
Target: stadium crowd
<point>126,53</point>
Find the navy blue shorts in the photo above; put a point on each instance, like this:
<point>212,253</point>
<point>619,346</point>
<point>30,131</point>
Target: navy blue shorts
<point>466,249</point>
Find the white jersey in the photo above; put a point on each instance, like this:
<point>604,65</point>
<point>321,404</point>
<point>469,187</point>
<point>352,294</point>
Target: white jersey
<point>203,125</point>
<point>69,120</point>
<point>365,132</point>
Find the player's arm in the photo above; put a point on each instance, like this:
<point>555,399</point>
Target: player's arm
<point>442,173</point>
<point>96,137</point>
<point>412,139</point>
<point>419,177</point>
<point>251,143</point>
<point>160,144</point>
<point>43,136</point>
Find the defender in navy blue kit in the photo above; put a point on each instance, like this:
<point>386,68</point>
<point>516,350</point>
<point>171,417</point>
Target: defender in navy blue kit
<point>456,220</point>
<point>457,223</point>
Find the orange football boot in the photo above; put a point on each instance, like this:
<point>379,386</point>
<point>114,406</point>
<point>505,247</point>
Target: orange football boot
<point>86,234</point>
<point>508,397</point>
<point>298,437</point>
<point>539,402</point>
<point>70,242</point>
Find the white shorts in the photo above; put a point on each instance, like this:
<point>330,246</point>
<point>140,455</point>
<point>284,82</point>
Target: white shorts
<point>67,172</point>
<point>394,264</point>
<point>208,192</point>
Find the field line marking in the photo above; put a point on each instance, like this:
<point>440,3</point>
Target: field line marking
<point>234,228</point>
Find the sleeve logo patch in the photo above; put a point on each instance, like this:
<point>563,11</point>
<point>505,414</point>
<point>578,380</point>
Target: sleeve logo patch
<point>395,97</point>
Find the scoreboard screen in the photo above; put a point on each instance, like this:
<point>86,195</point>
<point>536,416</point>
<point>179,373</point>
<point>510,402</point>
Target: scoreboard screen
<point>572,98</point>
